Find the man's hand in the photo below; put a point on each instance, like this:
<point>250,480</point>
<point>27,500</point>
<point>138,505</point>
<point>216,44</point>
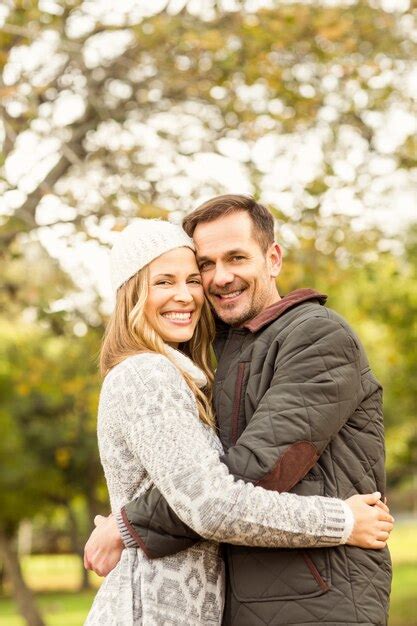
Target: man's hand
<point>104,548</point>
<point>373,522</point>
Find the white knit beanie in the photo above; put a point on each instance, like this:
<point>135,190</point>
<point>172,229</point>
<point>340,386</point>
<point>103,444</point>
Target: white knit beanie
<point>140,243</point>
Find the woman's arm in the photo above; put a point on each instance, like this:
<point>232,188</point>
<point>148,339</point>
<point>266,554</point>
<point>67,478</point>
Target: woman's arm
<point>156,408</point>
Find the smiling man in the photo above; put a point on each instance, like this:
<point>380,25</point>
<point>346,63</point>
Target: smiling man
<point>298,409</point>
<point>237,280</point>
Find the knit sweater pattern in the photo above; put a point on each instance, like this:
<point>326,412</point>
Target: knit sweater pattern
<point>149,433</point>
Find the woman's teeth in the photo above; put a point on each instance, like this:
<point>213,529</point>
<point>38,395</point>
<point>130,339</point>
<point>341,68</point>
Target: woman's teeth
<point>177,316</point>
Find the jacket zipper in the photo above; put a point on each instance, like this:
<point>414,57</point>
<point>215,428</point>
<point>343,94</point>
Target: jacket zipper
<point>236,402</point>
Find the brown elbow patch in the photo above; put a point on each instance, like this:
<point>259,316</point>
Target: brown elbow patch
<point>135,535</point>
<point>291,467</point>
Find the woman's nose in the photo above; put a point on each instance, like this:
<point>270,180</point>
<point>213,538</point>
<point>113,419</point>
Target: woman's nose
<point>183,294</point>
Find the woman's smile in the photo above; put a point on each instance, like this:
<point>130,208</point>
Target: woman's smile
<point>179,318</point>
<point>176,297</point>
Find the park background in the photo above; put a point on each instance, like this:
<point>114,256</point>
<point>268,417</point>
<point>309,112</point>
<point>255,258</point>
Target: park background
<point>114,109</point>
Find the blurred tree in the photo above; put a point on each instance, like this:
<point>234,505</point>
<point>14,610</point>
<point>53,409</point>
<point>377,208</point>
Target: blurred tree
<point>116,105</point>
<point>24,478</point>
<point>108,114</point>
<point>391,300</point>
<point>48,386</point>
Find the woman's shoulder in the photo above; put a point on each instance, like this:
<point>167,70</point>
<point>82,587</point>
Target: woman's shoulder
<point>144,368</point>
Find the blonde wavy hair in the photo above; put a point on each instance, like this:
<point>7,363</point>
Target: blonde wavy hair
<point>129,332</point>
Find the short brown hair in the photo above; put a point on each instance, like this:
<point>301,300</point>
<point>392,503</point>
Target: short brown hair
<point>262,220</point>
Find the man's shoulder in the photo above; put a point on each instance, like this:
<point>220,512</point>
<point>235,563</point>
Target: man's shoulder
<point>297,315</point>
<point>309,318</point>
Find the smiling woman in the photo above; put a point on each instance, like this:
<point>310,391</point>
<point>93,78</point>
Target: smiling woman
<point>175,296</point>
<point>159,302</point>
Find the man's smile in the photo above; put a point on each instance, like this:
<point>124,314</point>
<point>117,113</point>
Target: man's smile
<point>229,297</point>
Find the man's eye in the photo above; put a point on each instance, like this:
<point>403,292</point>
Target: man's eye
<point>204,266</point>
<point>238,258</point>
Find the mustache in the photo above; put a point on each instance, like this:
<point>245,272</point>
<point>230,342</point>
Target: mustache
<point>230,289</point>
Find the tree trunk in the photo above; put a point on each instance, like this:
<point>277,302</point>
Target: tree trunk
<point>1,579</point>
<point>78,548</point>
<point>94,508</point>
<point>21,592</point>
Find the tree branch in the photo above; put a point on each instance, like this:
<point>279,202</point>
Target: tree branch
<point>27,33</point>
<point>74,152</point>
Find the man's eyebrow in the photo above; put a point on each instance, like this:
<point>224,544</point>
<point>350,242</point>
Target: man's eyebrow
<point>233,252</point>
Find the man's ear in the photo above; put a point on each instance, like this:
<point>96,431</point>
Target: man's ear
<point>275,259</point>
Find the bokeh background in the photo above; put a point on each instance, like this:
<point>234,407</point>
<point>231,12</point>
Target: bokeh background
<point>115,108</point>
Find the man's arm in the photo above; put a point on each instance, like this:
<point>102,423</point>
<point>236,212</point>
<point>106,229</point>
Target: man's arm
<point>312,388</point>
<point>167,440</point>
<point>312,393</point>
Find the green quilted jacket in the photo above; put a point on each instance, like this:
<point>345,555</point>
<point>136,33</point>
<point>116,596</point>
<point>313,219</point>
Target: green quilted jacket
<point>299,410</point>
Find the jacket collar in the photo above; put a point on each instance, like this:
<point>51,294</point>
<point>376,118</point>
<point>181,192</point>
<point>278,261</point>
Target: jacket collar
<point>272,313</point>
<point>275,311</point>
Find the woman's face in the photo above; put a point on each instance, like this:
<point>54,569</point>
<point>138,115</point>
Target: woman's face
<point>175,297</point>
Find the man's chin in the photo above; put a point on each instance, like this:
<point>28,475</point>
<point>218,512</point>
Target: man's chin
<point>231,317</point>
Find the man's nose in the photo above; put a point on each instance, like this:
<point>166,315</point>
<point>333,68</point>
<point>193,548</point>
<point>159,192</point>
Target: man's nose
<point>183,294</point>
<point>222,276</point>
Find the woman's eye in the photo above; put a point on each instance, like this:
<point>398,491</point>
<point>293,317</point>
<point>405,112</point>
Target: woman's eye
<point>196,281</point>
<point>163,282</point>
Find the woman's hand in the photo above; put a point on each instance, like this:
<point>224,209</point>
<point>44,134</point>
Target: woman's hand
<point>104,547</point>
<point>373,522</point>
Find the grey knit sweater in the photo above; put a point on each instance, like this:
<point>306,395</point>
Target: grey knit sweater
<point>149,433</point>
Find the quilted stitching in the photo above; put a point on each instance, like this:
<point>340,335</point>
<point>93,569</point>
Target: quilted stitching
<point>353,460</point>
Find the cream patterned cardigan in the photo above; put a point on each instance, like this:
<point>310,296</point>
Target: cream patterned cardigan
<point>149,433</point>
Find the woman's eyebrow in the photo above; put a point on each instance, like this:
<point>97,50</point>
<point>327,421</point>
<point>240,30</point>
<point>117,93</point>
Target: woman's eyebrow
<point>173,275</point>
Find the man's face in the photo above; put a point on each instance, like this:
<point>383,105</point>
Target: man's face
<point>238,277</point>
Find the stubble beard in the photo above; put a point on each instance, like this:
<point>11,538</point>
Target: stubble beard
<point>254,307</point>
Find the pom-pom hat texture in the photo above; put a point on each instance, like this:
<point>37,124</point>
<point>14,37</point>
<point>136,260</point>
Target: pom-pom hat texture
<point>140,243</point>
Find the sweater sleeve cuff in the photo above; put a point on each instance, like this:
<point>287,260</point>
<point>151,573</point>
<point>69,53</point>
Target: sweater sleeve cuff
<point>339,522</point>
<point>127,538</point>
<point>350,522</point>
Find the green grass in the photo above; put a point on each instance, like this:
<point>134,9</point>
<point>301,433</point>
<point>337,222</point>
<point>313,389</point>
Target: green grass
<point>58,609</point>
<point>403,610</point>
<point>403,547</point>
<point>55,578</point>
<point>403,544</point>
<point>55,572</point>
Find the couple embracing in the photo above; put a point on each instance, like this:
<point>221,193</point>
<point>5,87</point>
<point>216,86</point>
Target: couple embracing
<point>251,495</point>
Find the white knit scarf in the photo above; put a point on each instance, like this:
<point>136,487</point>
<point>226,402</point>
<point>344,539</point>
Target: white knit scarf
<point>185,363</point>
